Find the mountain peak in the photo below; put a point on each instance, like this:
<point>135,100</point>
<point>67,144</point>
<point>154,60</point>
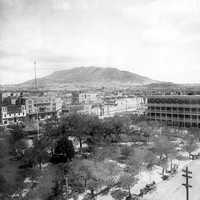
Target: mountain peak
<point>92,75</point>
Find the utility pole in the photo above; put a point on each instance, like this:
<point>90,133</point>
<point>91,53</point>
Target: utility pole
<point>126,105</point>
<point>186,184</point>
<point>35,75</point>
<point>37,114</point>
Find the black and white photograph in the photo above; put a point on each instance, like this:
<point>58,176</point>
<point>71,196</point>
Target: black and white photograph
<point>99,99</point>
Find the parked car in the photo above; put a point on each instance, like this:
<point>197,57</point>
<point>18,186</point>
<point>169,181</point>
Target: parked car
<point>147,188</point>
<point>165,177</point>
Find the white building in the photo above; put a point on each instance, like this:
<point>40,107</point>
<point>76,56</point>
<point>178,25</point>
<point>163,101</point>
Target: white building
<point>44,106</point>
<point>88,98</point>
<point>13,114</point>
<point>135,105</point>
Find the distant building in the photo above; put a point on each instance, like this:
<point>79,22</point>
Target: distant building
<point>175,110</point>
<point>75,98</point>
<point>13,114</point>
<point>113,106</point>
<point>67,109</point>
<point>67,99</point>
<point>12,108</point>
<point>88,98</point>
<point>42,106</point>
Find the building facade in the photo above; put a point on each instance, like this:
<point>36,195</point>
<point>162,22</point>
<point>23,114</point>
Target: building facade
<point>179,110</point>
<point>12,108</point>
<point>13,114</point>
<point>88,98</point>
<point>41,107</point>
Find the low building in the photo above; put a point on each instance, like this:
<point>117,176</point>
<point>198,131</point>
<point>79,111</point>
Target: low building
<point>175,110</point>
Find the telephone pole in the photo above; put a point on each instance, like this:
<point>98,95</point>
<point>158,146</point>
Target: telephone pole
<point>35,75</point>
<point>37,114</point>
<point>186,184</point>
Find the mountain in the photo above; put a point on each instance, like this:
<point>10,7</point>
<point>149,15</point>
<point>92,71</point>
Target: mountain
<point>88,76</point>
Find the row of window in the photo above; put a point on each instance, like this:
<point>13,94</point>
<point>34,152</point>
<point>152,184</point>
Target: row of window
<point>174,116</point>
<point>180,123</point>
<point>173,109</point>
<point>15,114</point>
<point>174,101</point>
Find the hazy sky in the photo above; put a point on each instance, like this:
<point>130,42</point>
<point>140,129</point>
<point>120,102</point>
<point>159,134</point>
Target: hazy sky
<point>156,38</point>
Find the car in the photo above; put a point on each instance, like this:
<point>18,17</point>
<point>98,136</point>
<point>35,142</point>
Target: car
<point>147,188</point>
<point>165,177</point>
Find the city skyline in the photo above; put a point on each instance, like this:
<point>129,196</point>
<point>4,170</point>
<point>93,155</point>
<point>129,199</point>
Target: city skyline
<point>154,38</point>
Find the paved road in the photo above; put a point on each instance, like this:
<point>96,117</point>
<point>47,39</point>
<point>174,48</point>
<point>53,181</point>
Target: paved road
<point>173,190</point>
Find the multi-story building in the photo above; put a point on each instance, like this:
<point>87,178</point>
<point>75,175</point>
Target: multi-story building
<point>67,99</point>
<point>13,113</point>
<point>88,98</point>
<point>175,110</point>
<point>12,108</point>
<point>42,106</point>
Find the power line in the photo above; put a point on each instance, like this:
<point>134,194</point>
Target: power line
<point>35,74</point>
<point>186,184</point>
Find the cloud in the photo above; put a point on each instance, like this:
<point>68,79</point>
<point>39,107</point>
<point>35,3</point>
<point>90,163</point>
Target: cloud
<point>150,37</point>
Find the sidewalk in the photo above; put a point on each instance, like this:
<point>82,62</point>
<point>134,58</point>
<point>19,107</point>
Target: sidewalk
<point>173,189</point>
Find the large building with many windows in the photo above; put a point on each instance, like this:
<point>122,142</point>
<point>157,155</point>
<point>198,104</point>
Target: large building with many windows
<point>42,106</point>
<point>179,110</point>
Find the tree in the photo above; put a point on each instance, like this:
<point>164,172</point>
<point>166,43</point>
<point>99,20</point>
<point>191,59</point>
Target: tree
<point>190,144</point>
<point>164,164</point>
<point>126,151</point>
<point>65,147</point>
<point>114,127</point>
<point>79,126</point>
<point>37,154</point>
<point>46,181</point>
<point>128,180</point>
<point>119,194</point>
<point>150,160</point>
<point>128,177</point>
<point>172,156</point>
<point>111,152</point>
<point>52,132</point>
<point>20,147</point>
<point>81,177</point>
<point>195,132</point>
<point>148,129</point>
<point>90,175</point>
<point>16,134</point>
<point>163,147</point>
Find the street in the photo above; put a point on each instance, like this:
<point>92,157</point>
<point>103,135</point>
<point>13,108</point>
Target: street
<point>173,189</point>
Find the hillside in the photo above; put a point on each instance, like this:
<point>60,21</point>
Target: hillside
<point>90,76</point>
